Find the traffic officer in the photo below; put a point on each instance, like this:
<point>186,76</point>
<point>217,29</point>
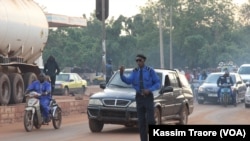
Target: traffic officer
<point>144,80</point>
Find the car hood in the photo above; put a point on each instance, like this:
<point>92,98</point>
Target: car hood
<point>117,93</point>
<point>245,76</point>
<point>211,85</point>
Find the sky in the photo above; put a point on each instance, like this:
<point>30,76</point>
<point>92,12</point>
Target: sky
<point>77,8</point>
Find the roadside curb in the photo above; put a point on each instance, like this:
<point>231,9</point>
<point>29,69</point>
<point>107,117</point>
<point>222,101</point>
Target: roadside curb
<point>71,105</point>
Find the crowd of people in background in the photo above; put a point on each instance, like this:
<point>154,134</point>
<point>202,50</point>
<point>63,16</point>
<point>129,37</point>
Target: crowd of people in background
<point>198,73</point>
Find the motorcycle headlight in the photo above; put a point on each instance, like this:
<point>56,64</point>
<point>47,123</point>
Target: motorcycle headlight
<point>95,102</point>
<point>132,105</point>
<point>31,102</point>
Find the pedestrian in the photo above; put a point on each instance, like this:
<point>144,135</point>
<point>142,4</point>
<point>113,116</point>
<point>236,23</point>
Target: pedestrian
<point>51,69</point>
<point>144,80</point>
<point>109,70</point>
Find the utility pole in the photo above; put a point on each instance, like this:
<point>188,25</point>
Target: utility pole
<point>170,43</point>
<point>161,42</point>
<point>103,40</point>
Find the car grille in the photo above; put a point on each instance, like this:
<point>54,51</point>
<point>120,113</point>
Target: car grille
<point>110,112</point>
<point>116,102</point>
<point>116,114</point>
<point>212,90</point>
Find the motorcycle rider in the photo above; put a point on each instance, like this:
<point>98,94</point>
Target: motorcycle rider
<point>44,88</point>
<point>225,78</point>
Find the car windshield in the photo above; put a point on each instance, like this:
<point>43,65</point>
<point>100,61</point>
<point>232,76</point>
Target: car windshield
<point>117,82</point>
<point>244,70</point>
<point>212,78</point>
<point>62,77</point>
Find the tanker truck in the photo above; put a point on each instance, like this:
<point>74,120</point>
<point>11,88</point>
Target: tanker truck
<point>23,36</point>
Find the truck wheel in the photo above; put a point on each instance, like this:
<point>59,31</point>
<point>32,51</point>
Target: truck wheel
<point>4,89</point>
<point>17,88</point>
<point>95,125</point>
<point>28,78</point>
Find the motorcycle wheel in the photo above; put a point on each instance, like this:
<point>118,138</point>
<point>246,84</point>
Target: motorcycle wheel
<point>225,99</point>
<point>57,118</point>
<point>36,123</point>
<point>28,121</point>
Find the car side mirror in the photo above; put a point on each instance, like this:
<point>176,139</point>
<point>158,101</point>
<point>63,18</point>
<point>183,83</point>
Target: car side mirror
<point>71,80</point>
<point>166,89</point>
<point>102,85</point>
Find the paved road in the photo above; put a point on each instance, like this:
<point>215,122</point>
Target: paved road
<point>75,128</point>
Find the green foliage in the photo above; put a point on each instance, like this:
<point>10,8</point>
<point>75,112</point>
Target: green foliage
<point>205,32</point>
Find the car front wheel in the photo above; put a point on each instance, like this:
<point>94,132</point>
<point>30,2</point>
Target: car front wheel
<point>95,125</point>
<point>157,116</point>
<point>183,116</point>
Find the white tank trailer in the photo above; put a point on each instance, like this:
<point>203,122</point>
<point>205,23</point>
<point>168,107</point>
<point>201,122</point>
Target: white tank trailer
<point>23,35</point>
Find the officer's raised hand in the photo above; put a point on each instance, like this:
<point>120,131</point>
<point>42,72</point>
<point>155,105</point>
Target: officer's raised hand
<point>122,69</point>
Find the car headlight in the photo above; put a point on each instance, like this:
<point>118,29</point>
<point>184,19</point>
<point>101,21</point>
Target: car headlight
<point>201,89</point>
<point>132,105</point>
<point>95,102</point>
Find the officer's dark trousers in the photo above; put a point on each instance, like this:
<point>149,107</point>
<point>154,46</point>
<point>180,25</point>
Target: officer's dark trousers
<point>145,112</point>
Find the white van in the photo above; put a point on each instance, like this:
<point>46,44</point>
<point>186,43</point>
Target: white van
<point>244,71</point>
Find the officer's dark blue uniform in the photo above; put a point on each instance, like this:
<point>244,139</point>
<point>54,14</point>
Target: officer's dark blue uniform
<point>145,103</point>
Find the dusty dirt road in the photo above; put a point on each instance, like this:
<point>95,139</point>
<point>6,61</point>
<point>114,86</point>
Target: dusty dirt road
<point>217,114</point>
<point>75,128</point>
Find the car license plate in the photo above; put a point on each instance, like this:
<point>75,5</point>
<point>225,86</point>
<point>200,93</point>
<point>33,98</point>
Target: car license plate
<point>57,86</point>
<point>212,95</point>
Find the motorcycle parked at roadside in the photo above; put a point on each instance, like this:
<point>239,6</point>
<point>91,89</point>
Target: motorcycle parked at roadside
<point>33,114</point>
<point>225,95</point>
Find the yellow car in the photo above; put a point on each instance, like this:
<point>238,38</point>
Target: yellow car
<point>69,83</point>
<point>98,79</point>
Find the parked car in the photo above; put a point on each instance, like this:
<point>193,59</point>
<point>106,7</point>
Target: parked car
<point>244,71</point>
<point>97,80</point>
<point>69,83</point>
<point>207,92</point>
<point>116,104</point>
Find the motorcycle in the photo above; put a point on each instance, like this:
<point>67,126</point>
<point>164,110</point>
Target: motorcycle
<point>225,94</point>
<point>33,115</point>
